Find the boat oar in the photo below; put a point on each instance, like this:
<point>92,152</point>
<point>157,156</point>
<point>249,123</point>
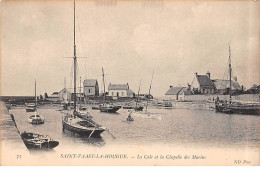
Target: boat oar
<point>91,133</point>
<point>12,116</point>
<point>111,134</point>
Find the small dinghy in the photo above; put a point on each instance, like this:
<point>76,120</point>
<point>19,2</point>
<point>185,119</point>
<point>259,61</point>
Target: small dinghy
<point>36,119</point>
<point>36,141</point>
<point>130,118</point>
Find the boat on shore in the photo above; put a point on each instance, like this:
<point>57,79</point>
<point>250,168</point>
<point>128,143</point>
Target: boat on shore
<point>36,141</point>
<point>230,106</point>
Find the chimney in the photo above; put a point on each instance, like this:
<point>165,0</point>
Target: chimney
<point>189,86</point>
<point>208,74</point>
<point>170,86</point>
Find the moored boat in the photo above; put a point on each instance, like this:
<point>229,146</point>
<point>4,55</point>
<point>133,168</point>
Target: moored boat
<point>30,107</point>
<point>36,118</point>
<point>138,106</point>
<point>127,106</point>
<point>77,122</point>
<point>164,105</point>
<point>107,107</point>
<point>36,141</point>
<point>83,126</point>
<point>235,107</point>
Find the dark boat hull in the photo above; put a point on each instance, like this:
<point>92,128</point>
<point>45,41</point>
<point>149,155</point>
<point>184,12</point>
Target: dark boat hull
<point>45,145</point>
<point>140,108</point>
<point>237,110</point>
<point>82,132</point>
<point>110,109</point>
<point>128,107</point>
<point>95,108</point>
<point>42,143</point>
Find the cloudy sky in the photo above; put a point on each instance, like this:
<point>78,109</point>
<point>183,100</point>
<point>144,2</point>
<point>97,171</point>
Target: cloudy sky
<point>129,39</point>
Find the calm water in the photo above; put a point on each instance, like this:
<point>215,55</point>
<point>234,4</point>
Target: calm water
<point>183,127</point>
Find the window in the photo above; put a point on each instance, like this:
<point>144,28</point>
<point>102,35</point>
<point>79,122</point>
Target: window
<point>88,90</point>
<point>112,93</point>
<point>122,93</point>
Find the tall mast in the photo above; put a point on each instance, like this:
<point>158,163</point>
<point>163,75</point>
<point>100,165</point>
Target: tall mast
<point>149,92</point>
<point>104,85</point>
<point>35,99</point>
<point>75,64</point>
<point>230,71</point>
<point>35,94</point>
<point>80,90</point>
<point>138,93</point>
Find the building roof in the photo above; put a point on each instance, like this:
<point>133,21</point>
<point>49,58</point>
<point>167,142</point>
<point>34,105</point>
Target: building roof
<point>224,84</point>
<point>64,90</point>
<point>90,82</point>
<point>174,90</point>
<point>205,82</point>
<point>186,91</point>
<point>130,92</point>
<point>118,87</point>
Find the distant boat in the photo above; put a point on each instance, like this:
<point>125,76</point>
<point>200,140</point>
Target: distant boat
<point>77,122</point>
<point>146,114</point>
<point>30,107</point>
<point>36,118</point>
<point>235,107</point>
<point>164,105</point>
<point>107,107</point>
<point>36,141</point>
<point>138,106</point>
<point>130,118</point>
<point>127,106</point>
<point>95,107</point>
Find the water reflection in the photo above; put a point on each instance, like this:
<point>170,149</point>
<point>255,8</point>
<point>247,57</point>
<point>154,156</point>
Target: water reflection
<point>78,139</point>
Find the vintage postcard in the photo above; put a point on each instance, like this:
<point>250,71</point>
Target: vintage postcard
<point>130,83</point>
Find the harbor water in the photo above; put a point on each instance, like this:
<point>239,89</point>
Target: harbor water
<point>178,128</point>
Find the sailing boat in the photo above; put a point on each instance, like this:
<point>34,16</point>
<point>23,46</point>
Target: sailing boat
<point>106,107</point>
<point>232,106</point>
<point>36,118</point>
<point>138,107</point>
<point>147,114</point>
<point>77,122</point>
